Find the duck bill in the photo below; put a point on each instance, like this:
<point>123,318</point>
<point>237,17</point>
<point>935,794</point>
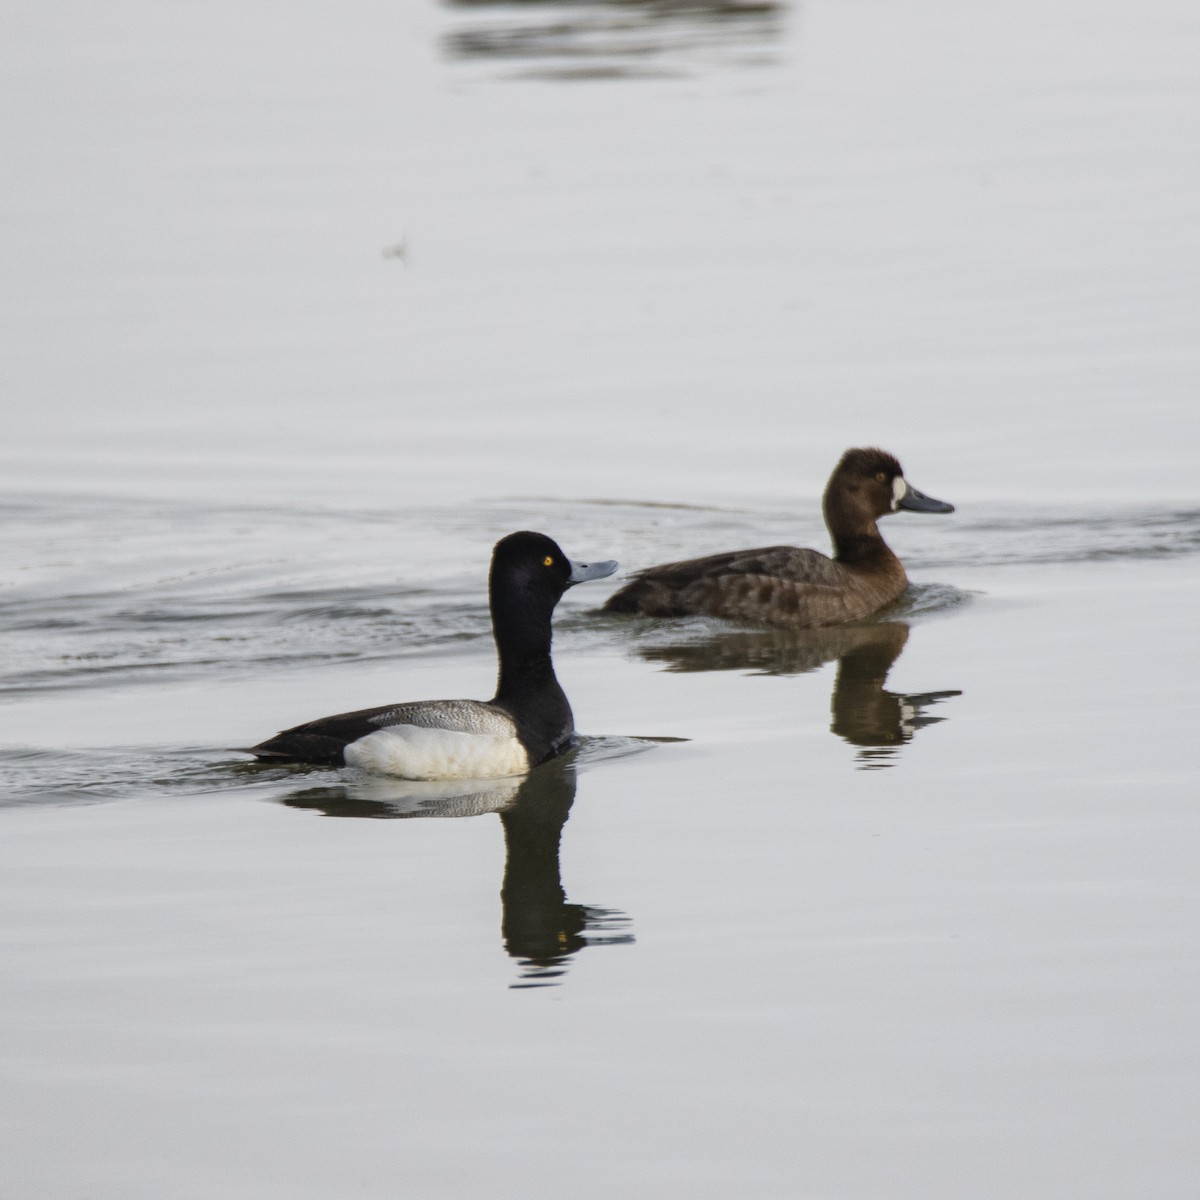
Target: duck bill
<point>582,572</point>
<point>916,501</point>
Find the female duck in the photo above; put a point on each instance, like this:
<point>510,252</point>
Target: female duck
<point>797,589</point>
<point>528,720</point>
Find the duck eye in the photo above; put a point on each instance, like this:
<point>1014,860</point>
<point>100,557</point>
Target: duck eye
<point>548,561</point>
<point>881,476</point>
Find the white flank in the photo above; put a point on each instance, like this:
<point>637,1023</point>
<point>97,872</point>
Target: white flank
<point>416,752</point>
<point>899,488</point>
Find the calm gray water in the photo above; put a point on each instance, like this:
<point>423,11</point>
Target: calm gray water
<point>303,315</point>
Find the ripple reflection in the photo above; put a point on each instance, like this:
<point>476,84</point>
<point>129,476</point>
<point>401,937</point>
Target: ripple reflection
<point>864,712</point>
<point>590,39</point>
<point>539,927</point>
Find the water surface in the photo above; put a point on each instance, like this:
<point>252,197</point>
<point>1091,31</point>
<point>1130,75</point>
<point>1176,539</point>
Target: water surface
<point>302,316</point>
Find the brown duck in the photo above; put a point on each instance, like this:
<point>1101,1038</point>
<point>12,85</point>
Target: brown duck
<point>786,586</point>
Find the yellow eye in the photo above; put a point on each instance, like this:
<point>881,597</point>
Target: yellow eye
<point>548,561</point>
<point>881,476</point>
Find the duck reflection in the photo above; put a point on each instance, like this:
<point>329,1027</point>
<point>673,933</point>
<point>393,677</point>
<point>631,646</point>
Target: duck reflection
<point>865,713</point>
<point>610,38</point>
<point>539,926</point>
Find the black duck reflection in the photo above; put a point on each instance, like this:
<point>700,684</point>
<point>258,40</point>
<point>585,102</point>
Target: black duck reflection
<point>540,928</point>
<point>588,39</point>
<point>864,712</point>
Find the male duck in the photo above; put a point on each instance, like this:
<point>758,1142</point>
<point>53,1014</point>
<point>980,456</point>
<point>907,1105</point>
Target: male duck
<point>528,720</point>
<point>798,589</point>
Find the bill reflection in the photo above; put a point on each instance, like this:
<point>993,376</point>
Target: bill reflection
<point>612,38</point>
<point>864,712</point>
<point>539,927</point>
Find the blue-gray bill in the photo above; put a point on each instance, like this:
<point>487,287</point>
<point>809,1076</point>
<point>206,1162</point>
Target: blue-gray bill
<point>582,572</point>
<point>916,501</point>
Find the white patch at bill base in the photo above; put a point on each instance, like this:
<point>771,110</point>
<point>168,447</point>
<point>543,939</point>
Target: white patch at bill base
<point>899,491</point>
<point>419,752</point>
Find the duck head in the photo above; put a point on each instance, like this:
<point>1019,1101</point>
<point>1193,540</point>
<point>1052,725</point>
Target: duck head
<point>530,573</point>
<point>868,484</point>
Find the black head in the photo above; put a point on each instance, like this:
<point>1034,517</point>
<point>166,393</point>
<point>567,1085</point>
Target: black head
<point>530,570</point>
<point>533,563</point>
<point>870,483</point>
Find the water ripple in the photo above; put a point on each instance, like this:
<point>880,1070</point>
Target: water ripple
<point>109,592</point>
<point>612,39</point>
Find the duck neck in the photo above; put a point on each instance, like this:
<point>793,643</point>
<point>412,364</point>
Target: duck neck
<point>865,549</point>
<point>857,542</point>
<point>521,627</point>
<point>527,688</point>
<point>522,671</point>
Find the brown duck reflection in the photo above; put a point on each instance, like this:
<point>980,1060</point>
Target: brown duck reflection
<point>865,713</point>
<point>611,38</point>
<point>539,926</point>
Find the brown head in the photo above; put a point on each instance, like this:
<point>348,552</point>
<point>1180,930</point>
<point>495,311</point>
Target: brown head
<point>868,484</point>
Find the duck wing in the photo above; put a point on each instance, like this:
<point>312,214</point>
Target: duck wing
<point>776,562</point>
<point>324,740</point>
<point>772,585</point>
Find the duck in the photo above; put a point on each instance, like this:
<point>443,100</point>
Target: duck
<point>528,721</point>
<point>792,588</point>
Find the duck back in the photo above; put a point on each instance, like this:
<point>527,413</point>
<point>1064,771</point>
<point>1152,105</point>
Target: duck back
<point>776,585</point>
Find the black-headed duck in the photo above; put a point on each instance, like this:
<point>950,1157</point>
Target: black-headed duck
<point>786,586</point>
<point>525,723</point>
